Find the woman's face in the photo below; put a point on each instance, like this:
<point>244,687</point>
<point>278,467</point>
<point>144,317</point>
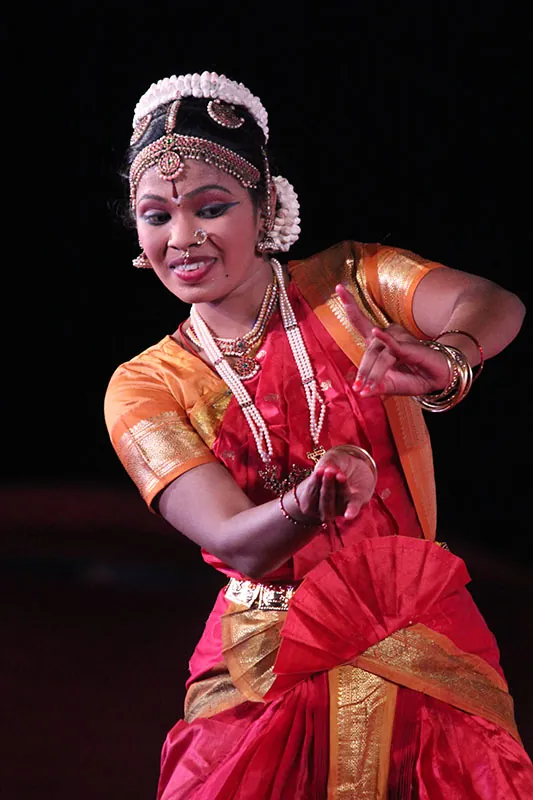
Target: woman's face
<point>169,212</point>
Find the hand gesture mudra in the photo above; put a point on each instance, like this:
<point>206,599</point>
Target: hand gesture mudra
<point>395,362</point>
<point>341,483</point>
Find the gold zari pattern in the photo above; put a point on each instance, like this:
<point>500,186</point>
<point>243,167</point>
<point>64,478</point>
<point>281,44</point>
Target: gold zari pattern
<point>265,597</point>
<point>156,446</point>
<point>211,695</point>
<point>429,662</point>
<point>250,643</point>
<point>361,720</point>
<point>207,415</point>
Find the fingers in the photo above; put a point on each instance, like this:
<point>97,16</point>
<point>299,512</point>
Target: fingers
<point>373,368</point>
<point>331,499</point>
<point>389,351</point>
<point>353,509</point>
<point>355,315</point>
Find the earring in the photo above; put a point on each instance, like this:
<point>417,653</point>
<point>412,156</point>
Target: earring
<point>141,262</point>
<point>267,244</point>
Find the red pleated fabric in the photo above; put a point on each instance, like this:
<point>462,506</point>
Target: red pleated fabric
<point>362,594</point>
<point>441,753</point>
<point>277,751</point>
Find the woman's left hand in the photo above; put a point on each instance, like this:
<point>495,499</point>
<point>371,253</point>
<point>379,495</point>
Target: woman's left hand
<point>394,361</point>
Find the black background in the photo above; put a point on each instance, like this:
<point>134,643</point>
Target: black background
<point>402,124</point>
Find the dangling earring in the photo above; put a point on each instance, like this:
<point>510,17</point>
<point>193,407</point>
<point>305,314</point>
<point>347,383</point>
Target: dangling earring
<point>141,262</point>
<point>266,244</point>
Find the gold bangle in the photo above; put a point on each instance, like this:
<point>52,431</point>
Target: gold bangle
<point>459,385</point>
<point>477,344</point>
<point>354,449</point>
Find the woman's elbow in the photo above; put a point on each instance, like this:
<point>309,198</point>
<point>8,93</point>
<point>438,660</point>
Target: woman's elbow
<point>253,565</point>
<point>512,311</point>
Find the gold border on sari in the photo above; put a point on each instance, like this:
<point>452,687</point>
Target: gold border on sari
<point>362,709</point>
<point>250,642</point>
<point>159,446</point>
<point>426,661</point>
<point>347,262</point>
<point>213,693</point>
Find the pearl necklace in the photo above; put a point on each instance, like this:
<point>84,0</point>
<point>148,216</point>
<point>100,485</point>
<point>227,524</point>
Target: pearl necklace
<point>243,347</point>
<point>256,423</point>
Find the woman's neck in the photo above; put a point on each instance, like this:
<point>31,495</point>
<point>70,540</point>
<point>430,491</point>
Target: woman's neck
<point>234,314</point>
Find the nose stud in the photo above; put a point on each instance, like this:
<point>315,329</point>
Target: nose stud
<point>200,235</point>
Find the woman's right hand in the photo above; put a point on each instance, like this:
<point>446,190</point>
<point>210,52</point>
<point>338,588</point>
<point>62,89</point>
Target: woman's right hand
<point>342,482</point>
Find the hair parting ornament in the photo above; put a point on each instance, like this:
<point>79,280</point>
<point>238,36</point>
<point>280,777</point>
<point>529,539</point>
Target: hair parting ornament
<point>168,153</point>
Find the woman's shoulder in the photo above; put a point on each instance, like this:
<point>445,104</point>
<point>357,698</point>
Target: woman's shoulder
<point>383,279</point>
<point>165,374</point>
<point>156,362</point>
<point>350,255</point>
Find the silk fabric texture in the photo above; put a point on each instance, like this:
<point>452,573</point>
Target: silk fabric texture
<point>382,680</point>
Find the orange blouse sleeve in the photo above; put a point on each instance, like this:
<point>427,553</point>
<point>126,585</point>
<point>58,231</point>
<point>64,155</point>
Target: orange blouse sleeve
<point>392,276</point>
<point>149,429</point>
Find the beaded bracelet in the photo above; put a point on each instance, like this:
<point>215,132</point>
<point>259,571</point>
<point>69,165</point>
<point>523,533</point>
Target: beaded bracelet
<point>296,498</point>
<point>292,519</point>
<point>476,342</point>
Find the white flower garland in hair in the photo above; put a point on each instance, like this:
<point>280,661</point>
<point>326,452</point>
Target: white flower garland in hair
<point>286,228</point>
<point>208,84</point>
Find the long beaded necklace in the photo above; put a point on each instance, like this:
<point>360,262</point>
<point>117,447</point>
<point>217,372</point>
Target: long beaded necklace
<point>244,347</point>
<point>256,423</point>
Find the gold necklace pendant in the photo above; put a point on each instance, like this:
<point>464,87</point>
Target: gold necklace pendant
<point>316,454</point>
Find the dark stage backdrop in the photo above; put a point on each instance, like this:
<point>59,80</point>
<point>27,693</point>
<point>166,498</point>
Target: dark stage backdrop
<point>399,123</point>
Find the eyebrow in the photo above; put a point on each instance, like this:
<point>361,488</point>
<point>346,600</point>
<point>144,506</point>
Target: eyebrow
<point>206,187</point>
<point>153,197</point>
<point>191,194</point>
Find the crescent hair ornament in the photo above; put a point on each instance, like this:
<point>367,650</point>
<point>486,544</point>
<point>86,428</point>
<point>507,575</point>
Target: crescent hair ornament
<point>208,85</point>
<point>140,129</point>
<point>224,114</point>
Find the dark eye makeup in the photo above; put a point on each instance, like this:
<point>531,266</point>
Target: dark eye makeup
<point>213,210</point>
<point>207,211</point>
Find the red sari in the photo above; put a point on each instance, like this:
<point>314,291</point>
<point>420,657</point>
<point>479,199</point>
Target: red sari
<point>382,679</point>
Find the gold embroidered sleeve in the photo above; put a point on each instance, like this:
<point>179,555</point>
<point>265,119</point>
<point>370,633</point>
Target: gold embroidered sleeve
<point>151,433</point>
<point>391,275</point>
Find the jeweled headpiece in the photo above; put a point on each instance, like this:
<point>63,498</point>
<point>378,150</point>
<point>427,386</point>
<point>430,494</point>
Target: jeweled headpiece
<point>169,152</point>
<point>208,85</point>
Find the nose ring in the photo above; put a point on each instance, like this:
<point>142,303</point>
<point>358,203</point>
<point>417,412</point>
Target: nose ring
<point>200,235</point>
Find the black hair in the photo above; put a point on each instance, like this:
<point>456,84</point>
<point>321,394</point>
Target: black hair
<point>247,141</point>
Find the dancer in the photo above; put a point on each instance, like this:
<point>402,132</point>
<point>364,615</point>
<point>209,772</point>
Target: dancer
<point>280,427</point>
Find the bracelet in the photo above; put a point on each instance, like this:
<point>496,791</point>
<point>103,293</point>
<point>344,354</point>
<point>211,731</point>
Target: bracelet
<point>296,499</point>
<point>476,342</point>
<point>460,381</point>
<point>355,450</point>
<point>452,366</point>
<point>292,519</point>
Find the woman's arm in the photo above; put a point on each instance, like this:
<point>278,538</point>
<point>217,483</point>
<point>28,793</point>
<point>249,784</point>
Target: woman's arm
<point>447,299</point>
<point>207,506</point>
<point>395,362</point>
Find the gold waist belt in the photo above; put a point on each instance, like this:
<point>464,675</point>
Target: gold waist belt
<point>263,596</point>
